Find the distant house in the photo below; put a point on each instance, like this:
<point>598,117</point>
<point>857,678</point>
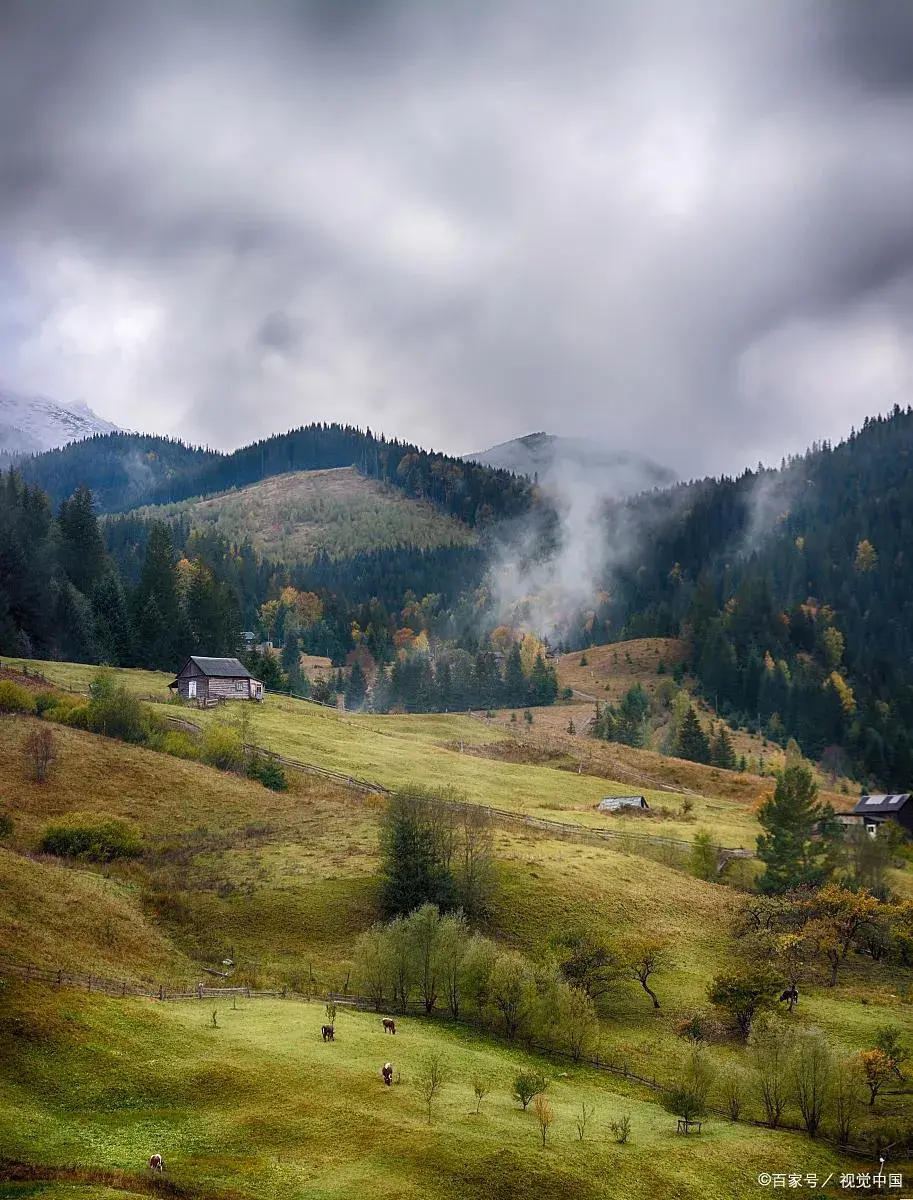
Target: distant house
<point>875,810</point>
<point>619,803</point>
<point>216,679</point>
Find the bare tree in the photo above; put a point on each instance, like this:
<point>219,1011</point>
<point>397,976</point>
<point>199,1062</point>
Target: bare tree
<point>481,1086</point>
<point>430,1078</point>
<point>621,1129</point>
<point>41,750</point>
<point>544,1115</point>
<point>811,1069</point>
<point>476,864</point>
<point>847,1097</point>
<point>771,1045</point>
<point>645,958</point>
<point>583,1118</point>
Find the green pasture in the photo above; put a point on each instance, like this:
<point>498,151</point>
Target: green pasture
<point>261,1106</point>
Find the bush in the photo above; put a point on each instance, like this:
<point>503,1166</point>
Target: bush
<point>267,771</point>
<point>70,711</point>
<point>45,701</point>
<point>177,743</point>
<point>222,747</point>
<point>15,699</point>
<point>700,1026</point>
<point>115,712</point>
<point>102,842</point>
<point>528,1084</point>
<point>6,825</point>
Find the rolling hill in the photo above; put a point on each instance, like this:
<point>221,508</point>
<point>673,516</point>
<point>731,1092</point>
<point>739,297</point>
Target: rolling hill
<point>339,512</point>
<point>252,1102</point>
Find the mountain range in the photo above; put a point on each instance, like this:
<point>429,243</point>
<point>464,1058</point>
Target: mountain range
<point>32,424</point>
<point>556,461</point>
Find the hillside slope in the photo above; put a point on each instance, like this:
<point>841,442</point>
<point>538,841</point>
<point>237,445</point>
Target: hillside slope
<point>338,512</point>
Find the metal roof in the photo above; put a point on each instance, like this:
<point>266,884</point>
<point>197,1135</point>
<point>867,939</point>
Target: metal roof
<point>613,802</point>
<point>221,668</point>
<point>881,804</point>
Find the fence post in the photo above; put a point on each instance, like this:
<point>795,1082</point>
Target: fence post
<point>90,981</point>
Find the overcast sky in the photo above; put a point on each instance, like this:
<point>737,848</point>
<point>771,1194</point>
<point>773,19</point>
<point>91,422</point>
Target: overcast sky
<point>683,228</point>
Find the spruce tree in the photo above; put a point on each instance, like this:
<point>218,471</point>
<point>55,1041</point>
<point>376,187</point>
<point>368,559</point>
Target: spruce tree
<point>722,753</point>
<point>692,742</point>
<point>514,679</point>
<point>800,834</point>
<point>82,551</point>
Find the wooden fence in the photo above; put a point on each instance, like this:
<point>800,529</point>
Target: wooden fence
<point>123,988</point>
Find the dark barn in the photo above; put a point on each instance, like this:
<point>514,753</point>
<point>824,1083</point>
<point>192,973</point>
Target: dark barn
<point>875,810</point>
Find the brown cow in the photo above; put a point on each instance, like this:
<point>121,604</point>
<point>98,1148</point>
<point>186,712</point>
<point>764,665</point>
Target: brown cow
<point>387,1072</point>
<point>389,1025</point>
<point>328,1034</point>
<point>156,1163</point>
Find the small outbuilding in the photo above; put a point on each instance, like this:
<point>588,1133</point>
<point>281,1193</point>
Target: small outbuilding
<point>216,679</point>
<point>621,803</point>
<point>875,810</point>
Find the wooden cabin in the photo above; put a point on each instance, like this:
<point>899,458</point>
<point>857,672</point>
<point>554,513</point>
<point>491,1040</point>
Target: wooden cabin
<point>216,679</point>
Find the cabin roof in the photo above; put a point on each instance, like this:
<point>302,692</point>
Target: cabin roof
<point>219,668</point>
<point>881,805</point>
<point>613,802</point>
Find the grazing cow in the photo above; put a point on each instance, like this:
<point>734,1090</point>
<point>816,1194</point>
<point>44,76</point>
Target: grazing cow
<point>389,1025</point>
<point>790,995</point>
<point>156,1163</point>
<point>387,1072</point>
<point>327,1031</point>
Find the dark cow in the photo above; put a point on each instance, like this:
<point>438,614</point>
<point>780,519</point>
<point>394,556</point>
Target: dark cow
<point>156,1163</point>
<point>389,1025</point>
<point>790,996</point>
<point>387,1072</point>
<point>328,1034</point>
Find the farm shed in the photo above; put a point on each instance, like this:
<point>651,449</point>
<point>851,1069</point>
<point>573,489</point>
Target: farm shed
<point>619,803</point>
<point>874,810</point>
<point>216,679</point>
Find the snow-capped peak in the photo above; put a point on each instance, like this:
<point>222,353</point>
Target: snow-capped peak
<point>30,424</point>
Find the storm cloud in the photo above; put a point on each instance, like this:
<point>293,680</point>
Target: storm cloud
<point>683,230</point>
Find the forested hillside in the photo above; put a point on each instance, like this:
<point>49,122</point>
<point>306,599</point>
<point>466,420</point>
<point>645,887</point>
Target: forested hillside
<point>792,588</point>
<point>124,471</point>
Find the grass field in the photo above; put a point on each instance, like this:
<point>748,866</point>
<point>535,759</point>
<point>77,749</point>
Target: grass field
<point>284,883</point>
<point>261,1106</point>
<point>340,512</point>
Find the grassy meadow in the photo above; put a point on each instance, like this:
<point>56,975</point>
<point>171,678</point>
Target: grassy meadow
<point>290,517</point>
<point>261,1106</point>
<point>283,883</point>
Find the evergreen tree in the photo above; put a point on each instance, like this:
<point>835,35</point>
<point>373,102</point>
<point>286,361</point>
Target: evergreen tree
<point>114,630</point>
<point>82,550</point>
<point>692,742</point>
<point>514,679</point>
<point>357,687</point>
<point>631,715</point>
<point>156,603</point>
<point>722,753</point>
<point>543,685</point>
<point>801,835</point>
<point>415,845</point>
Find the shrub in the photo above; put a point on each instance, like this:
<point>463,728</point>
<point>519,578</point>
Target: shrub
<point>621,1129</point>
<point>101,842</point>
<point>6,825</point>
<point>178,743</point>
<point>116,713</point>
<point>700,1026</point>
<point>45,701</point>
<point>15,699</point>
<point>74,713</point>
<point>222,746</point>
<point>267,771</point>
<point>527,1084</point>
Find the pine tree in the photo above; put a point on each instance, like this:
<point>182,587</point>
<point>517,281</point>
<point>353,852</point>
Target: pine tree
<point>357,687</point>
<point>160,637</point>
<point>692,741</point>
<point>82,551</point>
<point>800,834</point>
<point>722,753</point>
<point>514,679</point>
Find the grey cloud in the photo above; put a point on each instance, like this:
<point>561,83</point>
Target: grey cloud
<point>679,230</point>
